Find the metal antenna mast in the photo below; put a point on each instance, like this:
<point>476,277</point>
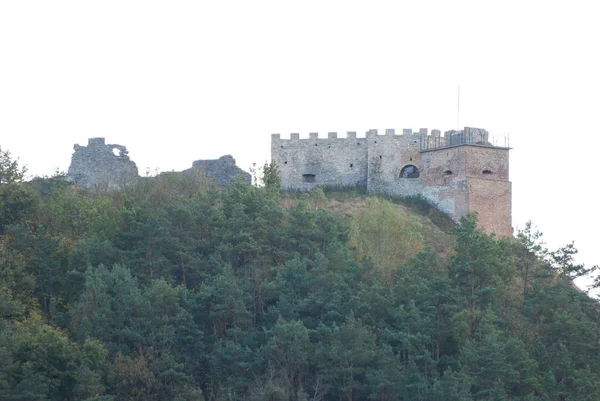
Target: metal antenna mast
<point>458,111</point>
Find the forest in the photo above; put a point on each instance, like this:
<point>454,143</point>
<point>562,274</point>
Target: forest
<point>177,290</point>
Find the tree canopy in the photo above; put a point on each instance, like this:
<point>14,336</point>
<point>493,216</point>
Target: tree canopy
<point>177,290</point>
<point>10,170</point>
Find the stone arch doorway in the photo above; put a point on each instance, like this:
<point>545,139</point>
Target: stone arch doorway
<point>409,171</point>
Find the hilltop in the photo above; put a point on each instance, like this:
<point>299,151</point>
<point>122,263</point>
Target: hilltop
<point>177,289</point>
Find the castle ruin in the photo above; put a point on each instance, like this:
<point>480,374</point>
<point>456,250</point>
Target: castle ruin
<point>222,170</point>
<point>108,167</point>
<point>102,166</point>
<point>460,172</point>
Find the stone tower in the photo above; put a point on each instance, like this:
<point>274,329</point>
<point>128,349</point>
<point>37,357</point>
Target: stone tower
<point>460,172</point>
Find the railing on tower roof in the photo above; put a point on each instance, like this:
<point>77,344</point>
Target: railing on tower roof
<point>467,136</point>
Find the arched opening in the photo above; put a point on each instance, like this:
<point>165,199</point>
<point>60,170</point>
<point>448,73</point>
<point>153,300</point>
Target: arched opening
<point>447,172</point>
<point>487,172</point>
<point>409,171</point>
<point>308,178</point>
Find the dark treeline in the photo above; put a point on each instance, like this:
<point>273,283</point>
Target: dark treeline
<point>174,290</point>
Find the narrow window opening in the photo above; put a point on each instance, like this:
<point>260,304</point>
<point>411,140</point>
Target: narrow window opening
<point>316,144</point>
<point>351,165</point>
<point>308,178</point>
<point>409,171</point>
<point>381,157</point>
<point>411,159</point>
<point>487,172</point>
<point>447,172</point>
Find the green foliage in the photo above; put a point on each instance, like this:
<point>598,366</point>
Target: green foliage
<point>74,214</point>
<point>270,177</point>
<point>16,283</point>
<point>479,271</point>
<point>10,170</point>
<point>175,290</point>
<point>387,237</point>
<point>348,353</point>
<point>17,203</point>
<point>343,191</point>
<point>112,309</point>
<point>288,350</point>
<point>499,364</point>
<point>41,363</point>
<point>563,260</point>
<point>424,207</point>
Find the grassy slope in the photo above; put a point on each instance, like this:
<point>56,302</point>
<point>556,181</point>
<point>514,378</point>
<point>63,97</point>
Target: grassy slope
<point>434,227</point>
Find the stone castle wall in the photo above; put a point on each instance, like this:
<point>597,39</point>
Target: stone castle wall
<point>387,155</point>
<point>460,172</point>
<point>307,163</point>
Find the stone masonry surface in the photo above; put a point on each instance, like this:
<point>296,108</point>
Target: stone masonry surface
<point>460,172</point>
<point>223,170</point>
<point>102,166</point>
<point>99,165</point>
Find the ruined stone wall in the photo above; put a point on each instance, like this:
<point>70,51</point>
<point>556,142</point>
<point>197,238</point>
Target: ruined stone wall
<point>102,166</point>
<point>307,163</point>
<point>223,170</point>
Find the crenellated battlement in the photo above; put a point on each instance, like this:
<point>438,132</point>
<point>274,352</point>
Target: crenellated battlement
<point>466,135</point>
<point>458,178</point>
<point>353,135</point>
<point>295,136</point>
<point>426,140</point>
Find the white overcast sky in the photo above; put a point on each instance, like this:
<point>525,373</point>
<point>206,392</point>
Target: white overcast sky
<point>177,81</point>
